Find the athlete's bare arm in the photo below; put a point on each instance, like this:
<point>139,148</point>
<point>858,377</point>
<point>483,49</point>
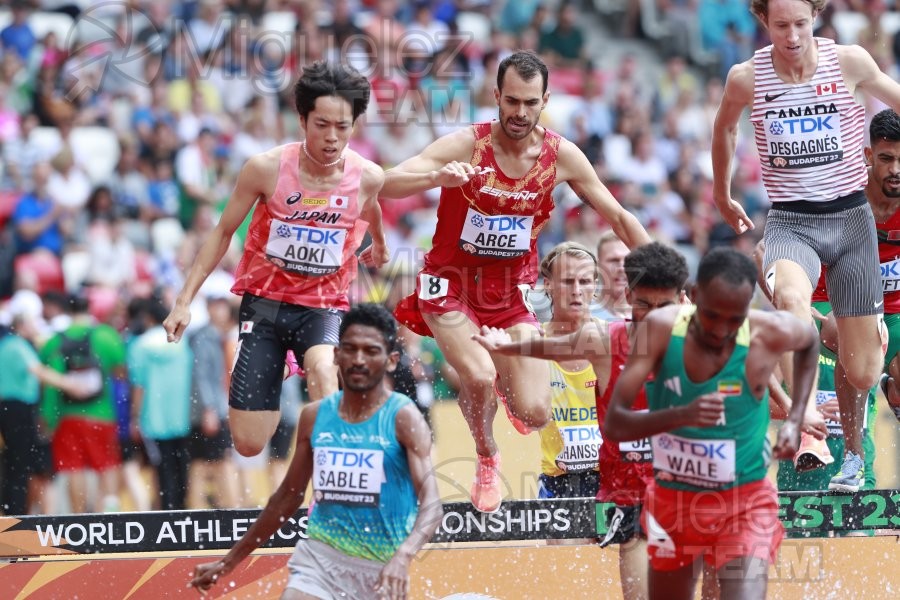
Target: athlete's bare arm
<point>414,435</point>
<point>737,96</point>
<point>370,185</point>
<point>622,423</point>
<point>860,71</point>
<point>590,341</point>
<point>775,333</point>
<point>281,505</point>
<point>255,181</point>
<point>574,168</point>
<point>444,163</point>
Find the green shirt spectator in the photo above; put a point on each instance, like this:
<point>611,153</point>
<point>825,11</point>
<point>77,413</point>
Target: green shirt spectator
<point>109,349</point>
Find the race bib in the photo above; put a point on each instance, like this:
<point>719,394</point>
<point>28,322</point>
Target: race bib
<point>834,427</point>
<point>805,136</point>
<point>890,276</point>
<point>703,463</point>
<point>581,448</point>
<point>497,236</point>
<point>348,475</point>
<point>432,286</point>
<point>312,251</point>
<point>636,451</point>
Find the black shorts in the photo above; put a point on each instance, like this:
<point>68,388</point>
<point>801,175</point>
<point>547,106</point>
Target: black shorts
<point>280,444</point>
<point>622,523</point>
<point>570,485</point>
<point>268,329</point>
<point>210,449</point>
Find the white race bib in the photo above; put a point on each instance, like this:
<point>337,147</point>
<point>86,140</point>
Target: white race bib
<point>497,236</point>
<point>432,287</point>
<point>636,451</point>
<point>581,448</point>
<point>704,463</point>
<point>803,137</point>
<point>312,251</point>
<point>348,475</point>
<point>834,427</point>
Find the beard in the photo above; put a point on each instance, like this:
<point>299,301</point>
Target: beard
<point>517,135</point>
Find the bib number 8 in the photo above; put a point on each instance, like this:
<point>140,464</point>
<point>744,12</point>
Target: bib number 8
<point>431,286</point>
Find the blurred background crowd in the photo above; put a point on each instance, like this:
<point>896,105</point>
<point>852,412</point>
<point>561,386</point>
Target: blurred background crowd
<point>124,124</point>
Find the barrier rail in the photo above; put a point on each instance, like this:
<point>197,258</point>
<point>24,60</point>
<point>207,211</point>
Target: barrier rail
<point>803,514</point>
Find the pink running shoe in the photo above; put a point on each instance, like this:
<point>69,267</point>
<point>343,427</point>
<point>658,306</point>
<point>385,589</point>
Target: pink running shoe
<point>813,454</point>
<point>516,423</point>
<point>486,494</point>
<point>291,366</point>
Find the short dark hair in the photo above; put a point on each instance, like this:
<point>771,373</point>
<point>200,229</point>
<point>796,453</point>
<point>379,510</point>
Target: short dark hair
<point>885,126</point>
<point>324,79</point>
<point>372,315</point>
<point>729,264</point>
<point>656,266</point>
<point>527,64</point>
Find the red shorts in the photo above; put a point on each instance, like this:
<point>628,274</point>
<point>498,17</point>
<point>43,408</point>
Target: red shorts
<point>718,525</point>
<point>85,444</point>
<point>491,302</point>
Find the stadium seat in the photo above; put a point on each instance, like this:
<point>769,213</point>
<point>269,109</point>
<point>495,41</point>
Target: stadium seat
<point>848,25</point>
<point>280,21</point>
<point>42,269</point>
<point>75,266</point>
<point>475,23</point>
<point>100,148</point>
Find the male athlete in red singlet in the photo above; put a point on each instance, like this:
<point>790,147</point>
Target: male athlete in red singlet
<point>656,277</point>
<point>314,201</point>
<point>496,178</point>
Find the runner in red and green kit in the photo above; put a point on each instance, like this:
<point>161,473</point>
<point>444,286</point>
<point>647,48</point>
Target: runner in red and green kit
<point>708,419</point>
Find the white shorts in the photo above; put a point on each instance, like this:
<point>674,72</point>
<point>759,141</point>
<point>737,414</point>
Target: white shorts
<point>319,570</point>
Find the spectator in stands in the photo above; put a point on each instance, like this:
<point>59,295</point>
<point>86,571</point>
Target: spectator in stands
<point>516,15</point>
<point>18,36</point>
<point>195,173</point>
<point>591,119</point>
<point>564,46</point>
<point>160,376</point>
<point>38,220</point>
<point>212,465</point>
<point>20,155</point>
<point>23,454</point>
<point>727,28</point>
<point>83,425</point>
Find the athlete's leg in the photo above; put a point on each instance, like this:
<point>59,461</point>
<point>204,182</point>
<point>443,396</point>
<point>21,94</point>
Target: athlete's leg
<point>453,333</point>
<point>321,372</point>
<point>791,291</point>
<point>678,584</point>
<point>633,568</point>
<point>852,404</point>
<point>251,429</point>
<point>254,399</point>
<point>744,578</point>
<point>525,382</point>
<point>860,349</point>
<point>860,361</point>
